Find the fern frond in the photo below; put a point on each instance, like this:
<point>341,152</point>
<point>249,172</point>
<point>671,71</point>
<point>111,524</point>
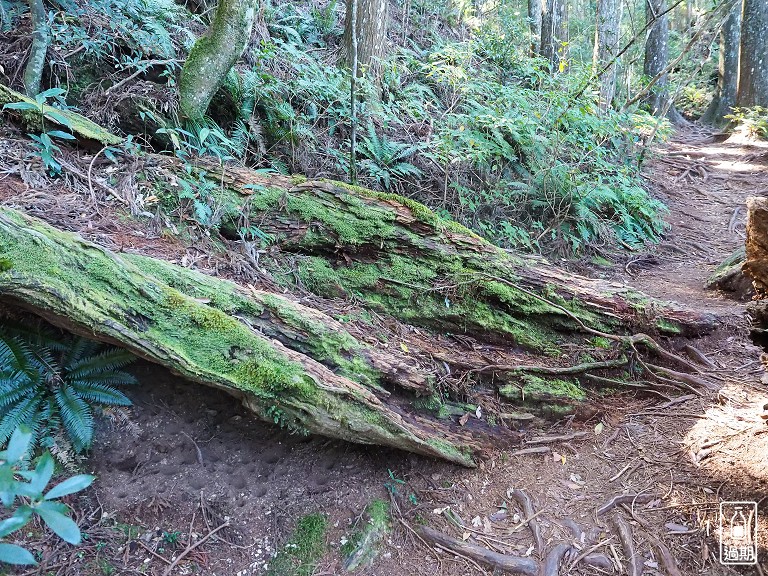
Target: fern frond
<point>103,362</point>
<point>101,393</point>
<point>76,415</point>
<point>24,412</point>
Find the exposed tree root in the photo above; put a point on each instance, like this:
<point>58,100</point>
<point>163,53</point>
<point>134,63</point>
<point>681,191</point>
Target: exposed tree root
<point>522,498</point>
<point>504,562</point>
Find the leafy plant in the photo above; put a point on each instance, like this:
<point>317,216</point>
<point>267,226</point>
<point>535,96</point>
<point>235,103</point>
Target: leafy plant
<point>51,384</point>
<point>18,481</point>
<point>386,159</point>
<point>754,119</point>
<point>45,146</point>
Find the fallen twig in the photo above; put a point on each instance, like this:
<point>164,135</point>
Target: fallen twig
<point>554,439</point>
<point>191,547</point>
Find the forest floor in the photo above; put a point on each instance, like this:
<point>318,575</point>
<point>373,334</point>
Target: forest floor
<point>191,459</point>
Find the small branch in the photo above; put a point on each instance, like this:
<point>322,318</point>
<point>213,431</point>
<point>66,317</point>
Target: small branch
<point>192,547</point>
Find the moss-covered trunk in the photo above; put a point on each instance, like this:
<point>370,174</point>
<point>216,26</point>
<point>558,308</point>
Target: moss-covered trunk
<point>208,330</point>
<point>214,54</point>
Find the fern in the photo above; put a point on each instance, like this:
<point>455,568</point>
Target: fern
<point>51,384</point>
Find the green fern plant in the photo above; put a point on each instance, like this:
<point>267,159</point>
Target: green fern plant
<point>386,160</point>
<point>52,385</point>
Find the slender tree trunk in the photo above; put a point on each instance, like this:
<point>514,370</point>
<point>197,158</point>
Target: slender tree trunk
<point>213,55</point>
<point>554,34</point>
<point>41,38</point>
<point>606,48</point>
<point>371,35</point>
<point>535,10</point>
<point>753,59</point>
<point>656,56</point>
<point>728,68</point>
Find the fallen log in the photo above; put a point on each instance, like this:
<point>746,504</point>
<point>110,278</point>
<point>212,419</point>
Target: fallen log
<point>205,329</point>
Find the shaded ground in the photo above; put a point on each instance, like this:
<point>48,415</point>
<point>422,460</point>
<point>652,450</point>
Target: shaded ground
<point>191,459</point>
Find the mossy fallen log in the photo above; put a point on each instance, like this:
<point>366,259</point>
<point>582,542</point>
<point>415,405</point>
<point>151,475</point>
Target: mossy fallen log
<point>41,117</point>
<point>398,257</point>
<point>206,330</point>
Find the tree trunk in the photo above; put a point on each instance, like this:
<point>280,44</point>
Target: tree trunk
<point>41,38</point>
<point>728,69</point>
<point>606,48</point>
<point>297,366</point>
<point>554,34</point>
<point>656,54</point>
<point>371,36</point>
<point>535,9</point>
<point>753,56</point>
<point>213,55</point>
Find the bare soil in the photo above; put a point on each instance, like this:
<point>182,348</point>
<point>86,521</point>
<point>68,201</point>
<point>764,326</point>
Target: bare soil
<point>191,459</point>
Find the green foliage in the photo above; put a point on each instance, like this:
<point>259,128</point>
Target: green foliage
<point>19,481</point>
<point>51,383</point>
<point>302,552</point>
<point>45,146</point>
<point>385,160</point>
<point>754,120</point>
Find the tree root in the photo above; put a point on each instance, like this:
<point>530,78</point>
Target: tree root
<point>497,561</point>
<point>625,499</point>
<point>624,530</point>
<point>522,498</point>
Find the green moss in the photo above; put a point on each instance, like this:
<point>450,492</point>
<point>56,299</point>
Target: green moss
<point>5,264</point>
<point>304,549</point>
<point>364,545</point>
<point>666,326</point>
<point>601,342</point>
<point>534,388</point>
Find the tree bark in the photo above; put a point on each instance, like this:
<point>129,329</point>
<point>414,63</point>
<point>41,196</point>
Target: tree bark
<point>656,55</point>
<point>606,48</point>
<point>371,36</point>
<point>535,9</point>
<point>728,69</point>
<point>41,38</point>
<point>213,55</point>
<point>554,34</point>
<point>753,55</point>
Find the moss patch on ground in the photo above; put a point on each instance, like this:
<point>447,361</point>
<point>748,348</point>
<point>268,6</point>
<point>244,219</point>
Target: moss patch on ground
<point>304,549</point>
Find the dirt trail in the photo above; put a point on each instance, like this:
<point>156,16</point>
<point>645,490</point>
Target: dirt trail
<point>191,457</point>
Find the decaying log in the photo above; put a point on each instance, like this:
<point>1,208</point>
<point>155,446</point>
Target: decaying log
<point>205,329</point>
<point>729,277</point>
<point>46,116</point>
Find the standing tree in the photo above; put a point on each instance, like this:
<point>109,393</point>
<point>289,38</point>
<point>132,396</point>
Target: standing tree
<point>753,58</point>
<point>554,33</point>
<point>213,55</point>
<point>535,9</point>
<point>371,35</point>
<point>606,48</point>
<point>728,68</point>
<point>655,63</point>
<point>41,38</point>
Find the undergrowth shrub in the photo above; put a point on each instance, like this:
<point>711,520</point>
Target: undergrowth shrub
<point>754,120</point>
<point>53,384</point>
